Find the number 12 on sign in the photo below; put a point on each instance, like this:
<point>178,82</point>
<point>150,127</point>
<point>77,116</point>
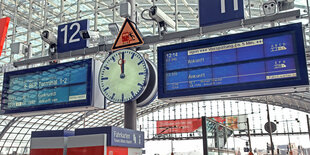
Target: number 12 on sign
<point>68,36</point>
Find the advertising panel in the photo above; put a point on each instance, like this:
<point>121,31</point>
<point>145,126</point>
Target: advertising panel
<point>193,124</point>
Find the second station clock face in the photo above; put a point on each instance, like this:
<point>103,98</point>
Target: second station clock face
<point>123,76</point>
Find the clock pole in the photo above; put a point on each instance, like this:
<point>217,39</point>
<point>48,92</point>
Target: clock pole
<point>130,114</point>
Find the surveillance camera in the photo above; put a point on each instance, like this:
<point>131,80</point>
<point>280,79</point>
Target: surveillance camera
<point>49,37</point>
<point>270,8</point>
<point>159,16</point>
<point>86,34</point>
<point>93,38</point>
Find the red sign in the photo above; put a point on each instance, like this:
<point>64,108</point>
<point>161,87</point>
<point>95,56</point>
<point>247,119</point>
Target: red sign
<point>127,37</point>
<point>4,25</point>
<point>178,126</point>
<point>192,124</point>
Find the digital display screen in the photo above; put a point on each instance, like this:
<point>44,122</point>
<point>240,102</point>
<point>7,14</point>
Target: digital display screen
<point>54,85</point>
<point>182,72</point>
<point>256,57</point>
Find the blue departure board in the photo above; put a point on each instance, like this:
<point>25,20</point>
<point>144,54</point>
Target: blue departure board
<point>48,87</point>
<point>259,59</point>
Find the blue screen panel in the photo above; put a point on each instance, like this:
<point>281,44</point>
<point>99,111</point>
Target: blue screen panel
<point>77,74</point>
<point>47,87</point>
<point>224,56</point>
<point>61,94</point>
<point>277,46</point>
<point>78,90</point>
<point>198,60</point>
<point>225,75</point>
<point>260,59</point>
<point>253,71</point>
<point>177,80</point>
<point>280,68</point>
<point>176,60</point>
<point>30,98</point>
<point>200,78</point>
<point>250,53</point>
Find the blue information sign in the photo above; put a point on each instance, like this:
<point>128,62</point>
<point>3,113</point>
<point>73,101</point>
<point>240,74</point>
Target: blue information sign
<point>116,136</point>
<point>46,88</point>
<point>219,11</point>
<point>69,39</point>
<point>260,59</point>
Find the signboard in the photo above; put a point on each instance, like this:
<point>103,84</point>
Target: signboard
<point>116,136</point>
<point>69,39</point>
<point>178,126</point>
<point>219,11</point>
<point>230,66</point>
<point>193,124</point>
<point>127,37</point>
<point>4,25</point>
<point>66,85</point>
<point>233,122</point>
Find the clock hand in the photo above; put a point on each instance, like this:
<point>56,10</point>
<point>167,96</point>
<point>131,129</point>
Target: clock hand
<point>121,62</point>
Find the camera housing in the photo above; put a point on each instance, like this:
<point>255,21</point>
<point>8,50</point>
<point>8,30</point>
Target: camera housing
<point>270,8</point>
<point>158,15</point>
<point>49,37</point>
<point>86,34</point>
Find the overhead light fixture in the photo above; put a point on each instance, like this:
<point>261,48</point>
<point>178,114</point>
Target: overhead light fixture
<point>285,4</point>
<point>93,37</point>
<point>113,28</point>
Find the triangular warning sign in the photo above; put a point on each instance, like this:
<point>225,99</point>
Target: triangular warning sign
<point>128,36</point>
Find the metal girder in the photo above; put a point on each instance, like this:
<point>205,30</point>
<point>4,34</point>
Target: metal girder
<point>149,40</point>
<point>8,126</point>
<point>79,119</point>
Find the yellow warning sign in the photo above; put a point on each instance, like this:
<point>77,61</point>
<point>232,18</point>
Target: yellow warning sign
<point>127,37</point>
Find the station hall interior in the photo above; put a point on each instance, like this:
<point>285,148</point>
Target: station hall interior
<point>228,119</point>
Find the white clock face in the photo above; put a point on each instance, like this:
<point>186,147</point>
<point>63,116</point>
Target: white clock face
<point>123,76</point>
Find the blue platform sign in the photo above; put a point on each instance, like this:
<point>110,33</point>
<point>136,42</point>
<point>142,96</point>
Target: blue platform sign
<point>116,136</point>
<point>219,11</point>
<point>46,88</point>
<point>262,59</point>
<point>69,39</point>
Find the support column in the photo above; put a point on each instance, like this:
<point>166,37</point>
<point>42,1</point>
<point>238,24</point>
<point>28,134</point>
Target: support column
<point>204,135</point>
<point>270,130</point>
<point>289,139</point>
<point>1,8</point>
<point>176,12</point>
<point>61,10</point>
<point>130,119</point>
<point>78,10</point>
<point>114,13</point>
<point>96,15</point>
<point>308,124</point>
<point>29,29</point>
<point>14,29</point>
<point>249,134</point>
<point>44,12</point>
